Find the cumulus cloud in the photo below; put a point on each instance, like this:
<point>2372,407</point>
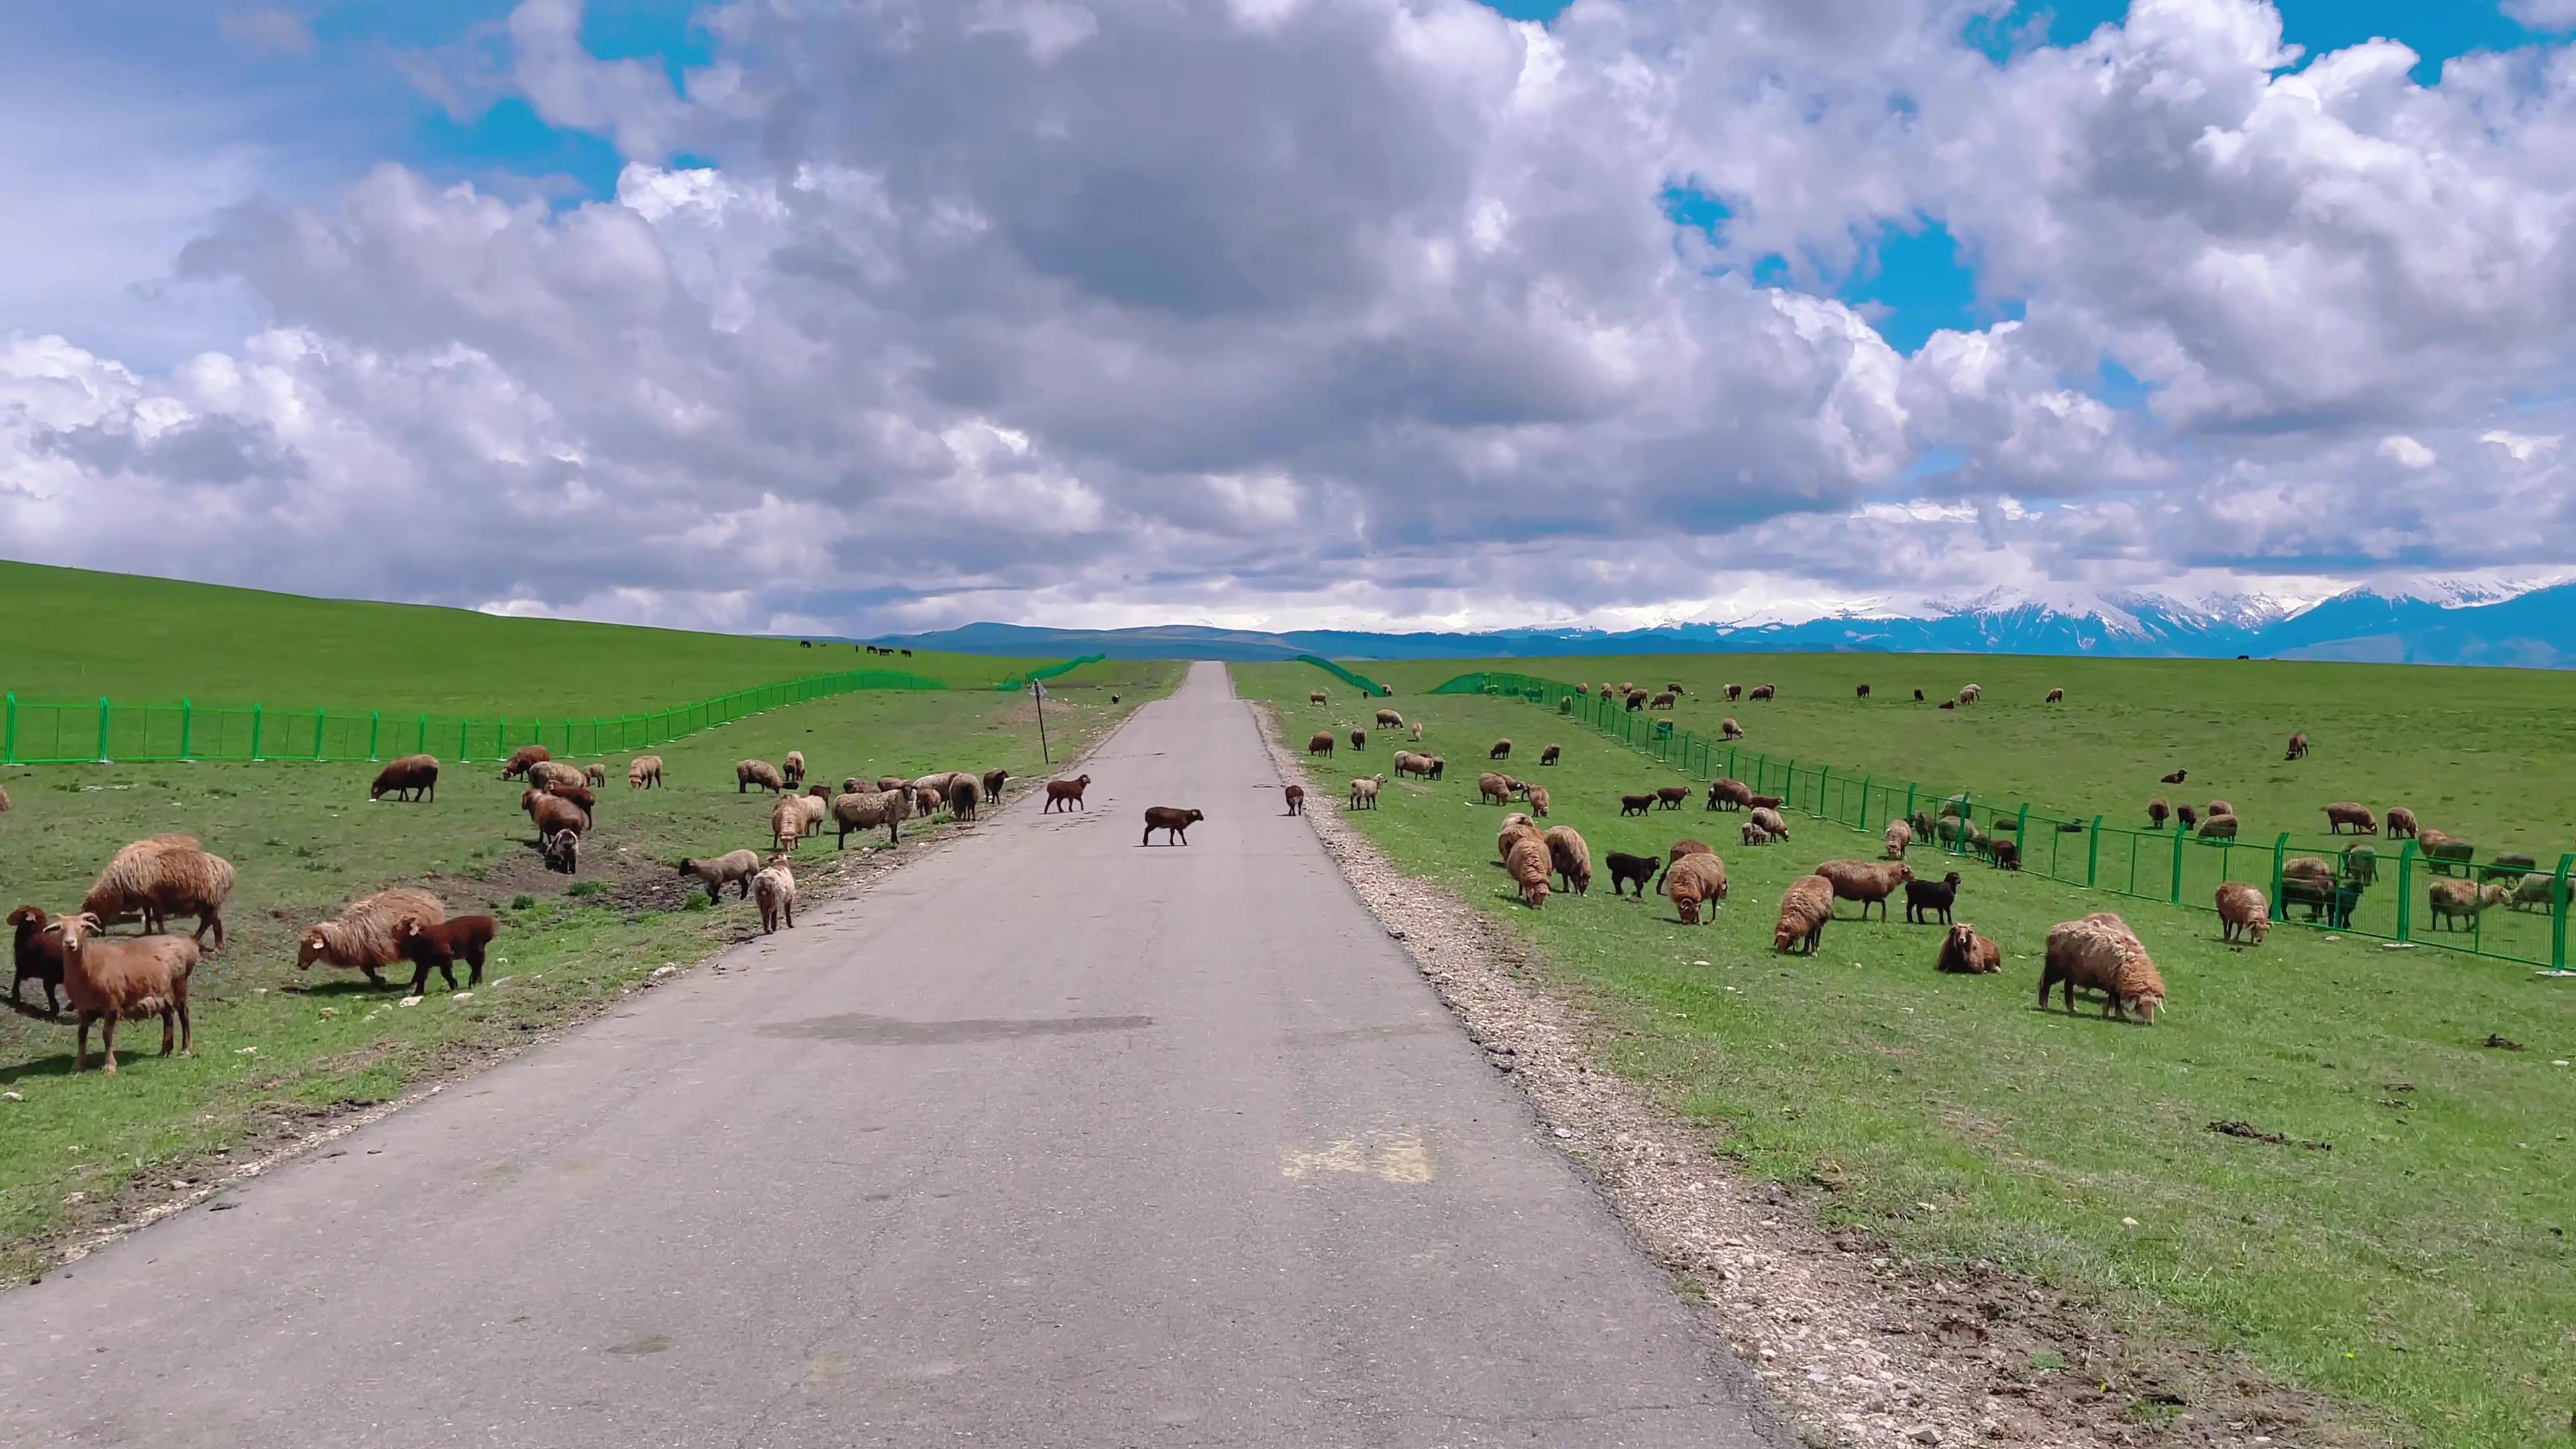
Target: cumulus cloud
<point>1367,310</point>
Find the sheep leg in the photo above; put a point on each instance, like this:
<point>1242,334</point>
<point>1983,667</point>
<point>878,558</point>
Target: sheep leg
<point>107,1041</point>
<point>372,978</point>
<point>187,1032</point>
<point>80,1044</point>
<point>166,1025</point>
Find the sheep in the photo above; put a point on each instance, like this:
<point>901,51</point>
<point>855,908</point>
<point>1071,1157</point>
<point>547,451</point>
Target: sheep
<point>1409,763</point>
<point>1685,847</point>
<point>2222,807</point>
<point>2186,816</point>
<point>2446,854</point>
<point>792,769</point>
<point>2298,747</point>
<point>4,802</point>
<point>1172,820</point>
<point>162,876</point>
<point>855,786</point>
<point>1067,794</point>
<point>1417,732</point>
<point>1970,693</point>
<point>2352,813</point>
<point>1636,804</point>
<point>1665,700</point>
<point>1636,699</point>
<point>1755,835</point>
<point>1865,881</point>
<point>2100,953</point>
<point>1734,692</point>
<point>2463,900</point>
<point>1606,692</point>
<point>35,954</point>
<point>2003,854</point>
<point>1965,953</point>
<point>580,797</point>
<point>2531,890</point>
<point>1949,704</point>
<point>547,774</point>
<point>551,813</point>
<point>2055,696</point>
<point>1918,698</point>
<point>1320,743</point>
<point>436,945</point>
<point>1537,797</point>
<point>1729,729</point>
<point>2158,812</point>
<point>110,981</point>
<point>562,851</point>
<point>2361,863</point>
<point>1636,870</point>
<point>927,803</point>
<point>644,772</point>
<point>1862,692</point>
<point>2176,778</point>
<point>2218,827</point>
<point>993,782</point>
<point>1925,899</point>
<point>367,936</point>
<point>1502,750</point>
<point>1516,828</point>
<point>2401,823</point>
<point>756,772</point>
<point>1550,756</point>
<point>734,868</point>
<point>2508,866</point>
<point>2332,899</point>
<point>413,777</point>
<point>1766,691</point>
<point>1770,821</point>
<point>1359,739</point>
<point>595,775</point>
<point>1388,719</point>
<point>1529,864</point>
<point>786,824</point>
<point>1672,689</point>
<point>775,887</point>
<point>2243,910</point>
<point>1693,881</point>
<point>521,759</point>
<point>1804,909</point>
<point>1729,795</point>
<point>1296,799</point>
<point>1670,797</point>
<point>1956,834</point>
<point>1899,836</point>
<point>1764,802</point>
<point>1439,766</point>
<point>1571,858</point>
<point>965,796</point>
<point>1364,792</point>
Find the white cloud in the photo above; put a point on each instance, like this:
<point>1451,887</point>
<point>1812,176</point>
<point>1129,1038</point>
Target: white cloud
<point>268,30</point>
<point>2405,452</point>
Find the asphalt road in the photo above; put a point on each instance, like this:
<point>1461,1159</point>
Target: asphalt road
<point>1053,1139</point>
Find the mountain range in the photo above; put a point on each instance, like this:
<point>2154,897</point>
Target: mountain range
<point>2525,624</point>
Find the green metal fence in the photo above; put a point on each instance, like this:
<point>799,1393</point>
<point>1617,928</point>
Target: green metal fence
<point>1360,682</point>
<point>55,734</point>
<point>2367,886</point>
<point>1021,681</point>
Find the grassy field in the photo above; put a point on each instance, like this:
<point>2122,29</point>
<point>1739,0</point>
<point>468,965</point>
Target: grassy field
<point>2403,1248</point>
<point>275,1048</point>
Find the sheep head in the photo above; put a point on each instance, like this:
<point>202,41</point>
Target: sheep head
<point>310,948</point>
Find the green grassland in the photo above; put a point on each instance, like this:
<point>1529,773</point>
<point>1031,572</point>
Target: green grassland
<point>2413,1262</point>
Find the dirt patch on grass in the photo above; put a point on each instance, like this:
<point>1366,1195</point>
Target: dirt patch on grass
<point>1863,1348</point>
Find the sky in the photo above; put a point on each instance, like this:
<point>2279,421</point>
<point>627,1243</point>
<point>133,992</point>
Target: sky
<point>861,318</point>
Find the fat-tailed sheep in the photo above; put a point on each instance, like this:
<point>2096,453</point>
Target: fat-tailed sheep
<point>1861,693</point>
<point>1627,870</point>
<point>1502,750</point>
<point>757,772</point>
<point>562,851</point>
<point>733,868</point>
<point>965,796</point>
<point>2530,891</point>
<point>2401,824</point>
<point>1417,732</point>
<point>1388,719</point>
<point>1965,953</point>
<point>1729,729</point>
<point>786,824</point>
<point>439,945</point>
<point>1173,821</point>
<point>866,810</point>
<point>1364,791</point>
<point>1550,755</point>
<point>1359,739</point>
<point>2445,854</point>
<point>367,936</point>
<point>1636,804</point>
<point>1528,866</point>
<point>1694,881</point>
<point>549,774</point>
<point>162,876</point>
<point>993,782</point>
<point>413,777</point>
<point>1320,743</point>
<point>1866,881</point>
<point>774,886</point>
<point>2463,900</point>
<point>2245,911</point>
<point>1409,763</point>
<point>595,775</point>
<point>1296,795</point>
<point>2508,866</point>
<point>1516,828</point>
<point>1571,858</point>
<point>1671,797</point>
<point>2298,747</point>
<point>1770,821</point>
<point>2218,827</point>
<point>1067,794</point>
<point>1804,909</point>
<point>522,758</point>
<point>1766,691</point>
<point>1318,697</point>
<point>110,981</point>
<point>644,772</point>
<point>1899,836</point>
<point>2186,816</point>
<point>1537,797</point>
<point>2100,953</point>
<point>792,769</point>
<point>2353,814</point>
<point>1753,834</point>
<point>2158,812</point>
<point>1729,795</point>
<point>550,813</point>
<point>2055,696</point>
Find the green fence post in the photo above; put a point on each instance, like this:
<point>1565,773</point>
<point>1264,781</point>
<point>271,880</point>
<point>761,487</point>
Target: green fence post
<point>501,740</point>
<point>102,729</point>
<point>2280,858</point>
<point>187,729</point>
<point>422,747</point>
<point>258,716</point>
<point>9,731</point>
<point>1864,803</point>
<point>2093,852</point>
<point>1909,804</point>
<point>317,734</point>
<point>2406,893</point>
<point>1821,776</point>
<point>2558,914</point>
<point>2021,830</point>
<point>462,752</point>
<point>2179,838</point>
<point>375,727</point>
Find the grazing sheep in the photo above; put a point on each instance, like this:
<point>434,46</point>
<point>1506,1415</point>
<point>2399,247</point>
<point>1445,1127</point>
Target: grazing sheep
<point>2401,824</point>
<point>965,796</point>
<point>2176,778</point>
<point>1957,834</point>
<point>1863,692</point>
<point>595,775</point>
<point>548,774</point>
<point>111,981</point>
<point>1970,693</point>
<point>2330,898</point>
<point>2187,816</point>
<point>854,785</point>
<point>1570,856</point>
<point>2463,900</point>
<point>1409,763</point>
<point>2003,854</point>
<point>1417,732</point>
<point>1636,870</point>
<point>644,772</point>
<point>2507,867</point>
<point>2298,747</point>
<point>786,824</point>
<point>2531,890</point>
<point>2222,807</point>
<point>1670,797</point>
<point>1755,835</point>
<point>1673,689</point>
<point>1320,743</point>
<point>550,813</point>
<point>734,868</point>
<point>775,888</point>
<point>562,851</point>
<point>2352,813</point>
<point>1804,909</point>
<point>1729,729</point>
<point>522,758</point>
<point>757,772</point>
<point>162,876</point>
<point>1865,881</point>
<point>1364,792</point>
<point>1765,691</point>
<point>2218,827</point>
<point>1296,799</point>
<point>35,953</point>
<point>1769,819</point>
<point>2158,812</point>
<point>1636,804</point>
<point>1528,865</point>
<point>2055,696</point>
<point>1662,701</point>
<point>1550,756</point>
<point>2447,855</point>
<point>1516,828</point>
<point>1693,881</point>
<point>1493,789</point>
<point>1899,836</point>
<point>1502,750</point>
<point>1925,899</point>
<point>1965,953</point>
<point>792,769</point>
<point>928,803</point>
<point>1317,698</point>
<point>1918,696</point>
<point>2309,867</point>
<point>1606,692</point>
<point>1729,795</point>
<point>1949,704</point>
<point>439,945</point>
<point>1388,719</point>
<point>1067,794</point>
<point>868,809</point>
<point>2361,863</point>
<point>1537,797</point>
<point>1636,699</point>
<point>1359,739</point>
<point>367,936</point>
<point>1734,692</point>
<point>2100,953</point>
<point>993,782</point>
<point>2243,910</point>
<point>413,777</point>
<point>1439,766</point>
<point>1173,821</point>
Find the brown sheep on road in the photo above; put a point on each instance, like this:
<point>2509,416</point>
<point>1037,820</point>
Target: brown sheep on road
<point>1296,799</point>
<point>1067,794</point>
<point>1173,821</point>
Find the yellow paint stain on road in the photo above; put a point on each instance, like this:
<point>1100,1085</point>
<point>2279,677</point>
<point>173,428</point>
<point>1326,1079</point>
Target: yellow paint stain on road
<point>1390,1157</point>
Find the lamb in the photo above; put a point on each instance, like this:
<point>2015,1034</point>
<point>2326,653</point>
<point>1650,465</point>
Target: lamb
<point>1516,828</point>
<point>1296,799</point>
<point>1320,743</point>
<point>2298,747</point>
<point>2245,911</point>
<point>1965,953</point>
<point>1734,692</point>
<point>1899,836</point>
<point>551,813</point>
<point>437,945</point>
<point>580,797</point>
<point>2100,953</point>
<point>1359,739</point>
<point>1364,792</point>
<point>1550,756</point>
<point>1636,870</point>
<point>2187,816</point>
<point>2462,900</point>
<point>792,769</point>
<point>1949,704</point>
<point>775,887</point>
<point>1388,719</point>
<point>413,777</point>
<point>111,981</point>
<point>2055,696</point>
<point>1409,763</point>
<point>1636,804</point>
<point>1439,766</point>
<point>1670,797</point>
<point>1969,694</point>
<point>162,876</point>
<point>2176,778</point>
<point>1918,698</point>
<point>1755,835</point>
<point>1729,795</point>
<point>2532,890</point>
<point>1764,802</point>
<point>993,782</point>
<point>1770,821</point>
<point>1865,881</point>
<point>2158,812</point>
<point>1570,856</point>
<point>1417,732</point>
<point>965,796</point>
<point>2352,813</point>
<point>1172,820</point>
<point>521,759</point>
<point>1804,909</point>
<point>1694,881</point>
<point>367,936</point>
<point>2446,854</point>
<point>562,851</point>
<point>1863,692</point>
<point>2401,823</point>
<point>595,775</point>
<point>927,803</point>
<point>36,953</point>
<point>1729,729</point>
<point>2004,854</point>
<point>1067,794</point>
<point>757,772</point>
<point>547,774</point>
<point>734,868</point>
<point>1529,865</point>
<point>1925,899</point>
<point>2218,827</point>
<point>644,772</point>
<point>1502,750</point>
<point>1537,797</point>
<point>786,823</point>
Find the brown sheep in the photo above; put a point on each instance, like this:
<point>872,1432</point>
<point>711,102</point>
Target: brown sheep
<point>786,824</point>
<point>2055,696</point>
<point>1672,689</point>
<point>775,888</point>
<point>1770,821</point>
<point>1502,750</point>
<point>413,777</point>
<point>2463,900</point>
<point>2176,778</point>
<point>2187,816</point>
<point>547,774</point>
<point>1765,802</point>
<point>2445,854</point>
<point>1296,799</point>
<point>2298,747</point>
<point>1965,953</point>
<point>2218,827</point>
<point>1173,821</point>
<point>1949,704</point>
<point>1861,693</point>
<point>1359,739</point>
<point>868,809</point>
<point>1516,828</point>
<point>2158,812</point>
<point>1493,789</point>
<point>965,796</point>
<point>1439,766</point>
<point>1364,792</point>
<point>1528,865</point>
<point>1537,797</point>
<point>1320,743</point>
<point>993,782</point>
<point>1693,881</point>
<point>1686,847</point>
<point>551,813</point>
<point>1409,763</point>
<point>525,756</point>
<point>1571,858</point>
<point>1899,836</point>
<point>2307,867</point>
<point>1727,728</point>
<point>1067,794</point>
<point>579,795</point>
<point>854,785</point>
<point>1970,694</point>
<point>2354,814</point>
<point>2243,910</point>
<point>367,936</point>
<point>562,851</point>
<point>111,981</point>
<point>2401,824</point>
<point>595,775</point>
<point>792,769</point>
<point>1550,755</point>
<point>2222,807</point>
<point>927,803</point>
<point>162,876</point>
<point>1729,795</point>
<point>644,772</point>
<point>438,945</point>
<point>1388,719</point>
<point>1925,899</point>
<point>1317,697</point>
<point>1765,691</point>
<point>734,868</point>
<point>1734,692</point>
<point>1636,804</point>
<point>1804,909</point>
<point>757,772</point>
<point>1417,732</point>
<point>1755,835</point>
<point>2530,891</point>
<point>35,954</point>
<point>1661,701</point>
<point>1865,881</point>
<point>1670,797</point>
<point>2100,953</point>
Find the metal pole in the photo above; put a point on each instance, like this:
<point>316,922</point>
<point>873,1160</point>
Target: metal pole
<point>102,729</point>
<point>1037,696</point>
<point>187,729</point>
<point>2093,853</point>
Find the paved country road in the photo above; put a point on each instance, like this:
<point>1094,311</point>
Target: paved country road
<point>1052,1139</point>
